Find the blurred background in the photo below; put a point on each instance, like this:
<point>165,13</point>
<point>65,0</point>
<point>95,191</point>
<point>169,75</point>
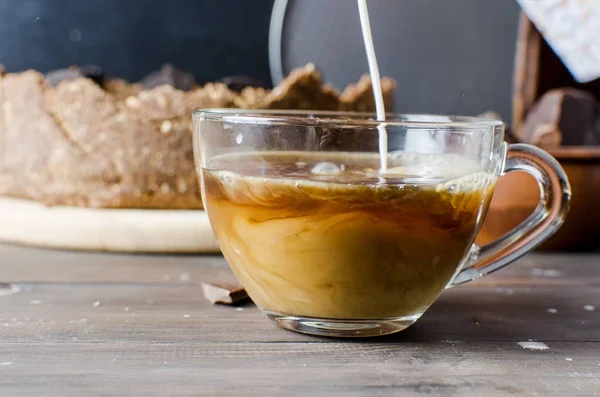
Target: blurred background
<point>448,57</point>
<point>131,38</point>
<point>462,57</point>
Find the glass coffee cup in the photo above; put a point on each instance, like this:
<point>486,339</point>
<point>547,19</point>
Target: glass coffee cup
<point>326,242</point>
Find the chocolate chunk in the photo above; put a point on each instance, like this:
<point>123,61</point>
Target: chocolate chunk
<point>565,116</point>
<point>238,83</point>
<point>93,72</point>
<point>169,75</point>
<point>224,293</point>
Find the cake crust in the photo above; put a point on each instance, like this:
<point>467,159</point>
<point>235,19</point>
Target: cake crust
<point>121,146</point>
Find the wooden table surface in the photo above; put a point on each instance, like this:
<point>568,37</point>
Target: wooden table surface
<point>90,324</point>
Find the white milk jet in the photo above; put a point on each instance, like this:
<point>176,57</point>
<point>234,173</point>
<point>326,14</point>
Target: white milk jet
<point>374,70</point>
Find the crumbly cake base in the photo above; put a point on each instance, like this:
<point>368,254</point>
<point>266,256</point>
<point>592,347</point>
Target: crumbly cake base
<point>119,146</point>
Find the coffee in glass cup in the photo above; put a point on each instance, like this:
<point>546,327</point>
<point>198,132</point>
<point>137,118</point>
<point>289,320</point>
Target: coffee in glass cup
<point>325,243</point>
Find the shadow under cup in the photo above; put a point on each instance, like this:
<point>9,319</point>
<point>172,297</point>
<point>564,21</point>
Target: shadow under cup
<point>324,240</point>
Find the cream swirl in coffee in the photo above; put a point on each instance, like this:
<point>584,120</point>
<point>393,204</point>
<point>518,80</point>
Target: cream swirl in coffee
<point>319,235</point>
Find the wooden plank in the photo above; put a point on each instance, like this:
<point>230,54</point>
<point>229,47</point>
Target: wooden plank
<point>30,265</point>
<point>526,72</point>
<point>154,336</point>
<point>160,314</point>
<point>291,369</point>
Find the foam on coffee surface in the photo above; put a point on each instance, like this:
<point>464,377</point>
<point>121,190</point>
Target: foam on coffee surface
<point>298,173</point>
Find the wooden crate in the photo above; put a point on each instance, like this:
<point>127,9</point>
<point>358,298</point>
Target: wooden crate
<point>537,70</point>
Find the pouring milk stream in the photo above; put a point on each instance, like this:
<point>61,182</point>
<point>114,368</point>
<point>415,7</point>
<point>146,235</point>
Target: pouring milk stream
<point>376,81</point>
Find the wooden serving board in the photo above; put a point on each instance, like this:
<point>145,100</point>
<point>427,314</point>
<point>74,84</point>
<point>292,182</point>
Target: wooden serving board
<point>119,230</point>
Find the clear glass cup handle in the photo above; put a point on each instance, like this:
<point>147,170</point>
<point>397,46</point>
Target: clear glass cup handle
<point>555,196</point>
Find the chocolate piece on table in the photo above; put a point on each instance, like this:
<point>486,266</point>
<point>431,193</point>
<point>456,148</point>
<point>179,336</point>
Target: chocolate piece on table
<point>564,116</point>
<point>238,83</point>
<point>93,72</point>
<point>224,293</point>
<point>169,75</point>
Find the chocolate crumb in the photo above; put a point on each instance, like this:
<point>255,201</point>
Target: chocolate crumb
<point>224,293</point>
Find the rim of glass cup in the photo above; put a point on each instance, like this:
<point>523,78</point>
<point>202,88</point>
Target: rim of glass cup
<point>344,119</point>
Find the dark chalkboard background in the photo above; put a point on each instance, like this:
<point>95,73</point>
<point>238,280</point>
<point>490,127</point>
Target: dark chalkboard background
<point>453,56</point>
<point>448,56</point>
<point>130,38</point>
